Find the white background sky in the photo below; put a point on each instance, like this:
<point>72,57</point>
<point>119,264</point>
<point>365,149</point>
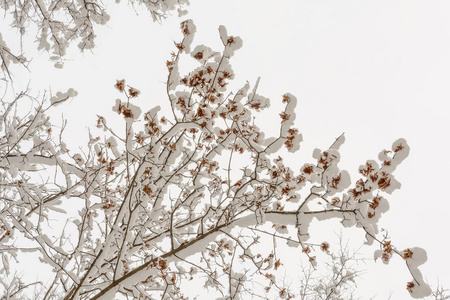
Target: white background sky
<point>376,70</point>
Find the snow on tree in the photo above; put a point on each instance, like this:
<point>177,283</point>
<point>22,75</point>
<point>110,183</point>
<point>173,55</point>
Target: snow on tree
<point>59,23</point>
<point>181,199</point>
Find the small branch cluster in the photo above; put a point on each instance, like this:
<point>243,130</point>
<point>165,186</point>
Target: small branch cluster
<point>59,23</point>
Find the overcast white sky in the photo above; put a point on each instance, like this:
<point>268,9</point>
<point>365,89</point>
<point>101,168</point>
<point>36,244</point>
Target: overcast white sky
<point>376,70</point>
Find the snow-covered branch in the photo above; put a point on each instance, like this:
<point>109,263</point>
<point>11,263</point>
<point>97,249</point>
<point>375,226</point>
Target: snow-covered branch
<point>192,193</point>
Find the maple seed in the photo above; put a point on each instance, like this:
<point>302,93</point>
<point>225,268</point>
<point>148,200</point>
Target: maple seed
<point>133,92</point>
<point>277,264</point>
<point>375,203</point>
<point>162,264</point>
<point>125,112</point>
<point>335,181</point>
<point>120,85</point>
<point>199,55</point>
<point>407,254</point>
<point>335,201</point>
<point>184,27</point>
<point>387,247</point>
<point>368,170</point>
<point>324,247</point>
<point>308,170</point>
<point>384,182</point>
<point>399,147</point>
<point>284,117</point>
<point>179,46</point>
